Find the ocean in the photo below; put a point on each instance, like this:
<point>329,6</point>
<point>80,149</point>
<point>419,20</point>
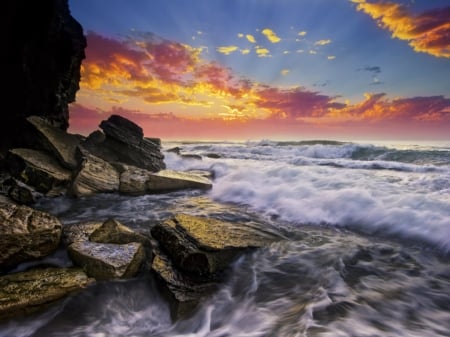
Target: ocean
<point>367,249</point>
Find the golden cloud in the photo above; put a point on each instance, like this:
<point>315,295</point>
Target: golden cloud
<point>250,38</point>
<point>322,42</point>
<point>428,32</point>
<point>262,52</point>
<point>227,50</point>
<point>271,36</point>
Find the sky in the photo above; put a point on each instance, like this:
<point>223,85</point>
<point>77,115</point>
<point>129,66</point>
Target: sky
<point>267,69</point>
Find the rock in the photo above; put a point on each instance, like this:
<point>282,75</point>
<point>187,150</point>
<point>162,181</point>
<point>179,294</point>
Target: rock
<point>22,193</point>
<point>190,156</point>
<point>45,47</point>
<point>26,292</point>
<point>125,143</point>
<point>169,180</point>
<point>213,155</point>
<point>112,231</point>
<point>79,232</point>
<point>95,175</point>
<point>105,261</point>
<point>202,173</point>
<point>202,246</point>
<point>26,234</point>
<point>157,141</point>
<point>184,293</point>
<point>38,169</point>
<point>61,144</point>
<point>175,149</point>
<point>133,180</point>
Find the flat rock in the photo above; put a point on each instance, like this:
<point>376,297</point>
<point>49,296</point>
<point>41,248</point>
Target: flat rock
<point>26,234</point>
<point>204,246</point>
<point>38,169</point>
<point>26,292</point>
<point>169,180</point>
<point>95,175</point>
<point>112,231</point>
<point>105,261</point>
<point>61,144</point>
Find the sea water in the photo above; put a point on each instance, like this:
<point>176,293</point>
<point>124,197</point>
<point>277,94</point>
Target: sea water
<point>367,249</point>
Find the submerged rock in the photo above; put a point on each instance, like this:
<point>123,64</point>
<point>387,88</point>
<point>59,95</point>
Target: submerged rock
<point>61,144</point>
<point>204,246</point>
<point>26,292</point>
<point>38,169</point>
<point>124,142</point>
<point>105,261</point>
<point>26,234</point>
<point>95,175</point>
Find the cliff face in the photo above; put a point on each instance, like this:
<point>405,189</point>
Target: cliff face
<point>44,49</point>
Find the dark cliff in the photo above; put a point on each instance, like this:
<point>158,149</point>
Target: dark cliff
<point>44,49</point>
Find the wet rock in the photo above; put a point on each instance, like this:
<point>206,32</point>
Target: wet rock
<point>213,155</point>
<point>61,144</point>
<point>27,292</point>
<point>202,173</point>
<point>125,143</point>
<point>112,231</point>
<point>175,149</point>
<point>26,234</point>
<point>105,261</point>
<point>204,246</point>
<point>133,180</point>
<point>95,175</point>
<point>184,293</point>
<point>169,180</point>
<point>38,169</point>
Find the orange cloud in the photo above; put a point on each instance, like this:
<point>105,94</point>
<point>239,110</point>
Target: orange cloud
<point>428,32</point>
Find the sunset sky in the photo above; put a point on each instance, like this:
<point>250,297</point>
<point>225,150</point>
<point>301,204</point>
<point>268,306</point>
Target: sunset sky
<point>267,69</point>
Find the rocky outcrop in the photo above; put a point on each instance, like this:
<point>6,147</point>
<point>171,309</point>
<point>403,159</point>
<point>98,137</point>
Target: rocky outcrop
<point>107,250</point>
<point>124,142</point>
<point>105,261</point>
<point>26,292</point>
<point>95,175</point>
<point>45,47</point>
<point>38,169</point>
<point>203,246</point>
<point>26,234</point>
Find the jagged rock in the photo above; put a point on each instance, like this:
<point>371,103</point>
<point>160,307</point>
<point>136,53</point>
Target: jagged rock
<point>26,292</point>
<point>61,144</point>
<point>45,47</point>
<point>105,261</point>
<point>112,231</point>
<point>125,143</point>
<point>169,180</point>
<point>184,293</point>
<point>202,246</point>
<point>26,234</point>
<point>38,169</point>
<point>95,175</point>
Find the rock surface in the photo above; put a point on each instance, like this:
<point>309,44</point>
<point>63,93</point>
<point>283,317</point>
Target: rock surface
<point>26,292</point>
<point>169,180</point>
<point>26,234</point>
<point>20,192</point>
<point>38,169</point>
<point>124,142</point>
<point>45,47</point>
<point>95,175</point>
<point>61,144</point>
<point>105,261</point>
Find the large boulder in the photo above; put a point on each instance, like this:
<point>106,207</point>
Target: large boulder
<point>95,175</point>
<point>45,47</point>
<point>205,246</point>
<point>26,292</point>
<point>26,234</point>
<point>38,169</point>
<point>105,261</point>
<point>124,142</point>
<point>61,144</point>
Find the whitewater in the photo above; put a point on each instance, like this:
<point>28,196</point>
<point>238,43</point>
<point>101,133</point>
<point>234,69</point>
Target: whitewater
<point>367,249</point>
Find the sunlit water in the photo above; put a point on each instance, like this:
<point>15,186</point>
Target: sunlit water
<point>366,252</point>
